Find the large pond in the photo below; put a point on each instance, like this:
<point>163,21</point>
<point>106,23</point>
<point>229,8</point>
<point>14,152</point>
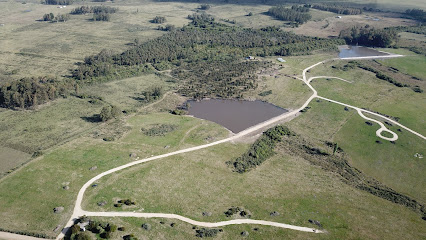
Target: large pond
<point>358,51</point>
<point>232,114</point>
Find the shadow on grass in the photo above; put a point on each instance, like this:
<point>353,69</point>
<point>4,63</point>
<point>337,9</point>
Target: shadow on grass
<point>93,119</point>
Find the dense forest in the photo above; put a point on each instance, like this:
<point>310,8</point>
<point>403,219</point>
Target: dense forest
<point>28,92</point>
<point>298,14</point>
<point>367,36</point>
<point>337,9</point>
<point>205,55</point>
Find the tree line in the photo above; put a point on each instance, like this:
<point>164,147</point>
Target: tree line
<point>58,2</point>
<point>338,9</point>
<point>93,9</point>
<point>367,36</point>
<point>298,14</point>
<point>100,13</point>
<point>417,14</point>
<point>29,92</point>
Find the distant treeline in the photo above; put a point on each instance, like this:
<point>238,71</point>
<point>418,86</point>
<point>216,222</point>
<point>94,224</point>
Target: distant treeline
<point>298,14</point>
<point>410,29</point>
<point>205,56</point>
<point>337,9</point>
<point>204,45</point>
<point>58,2</point>
<point>100,13</point>
<point>261,150</point>
<point>93,9</point>
<point>367,36</point>
<point>29,92</point>
<point>417,14</point>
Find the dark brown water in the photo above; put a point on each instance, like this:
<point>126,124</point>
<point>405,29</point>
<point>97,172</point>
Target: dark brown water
<point>358,51</point>
<point>234,115</point>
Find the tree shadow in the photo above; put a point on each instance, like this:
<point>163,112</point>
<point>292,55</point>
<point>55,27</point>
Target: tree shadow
<point>93,119</point>
<point>138,98</point>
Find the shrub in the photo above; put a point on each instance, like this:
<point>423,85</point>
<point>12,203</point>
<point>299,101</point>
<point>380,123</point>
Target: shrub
<point>265,93</point>
<point>75,229</point>
<point>159,130</point>
<point>206,232</point>
<point>231,211</point>
<point>108,139</point>
<point>101,17</point>
<point>178,112</point>
<point>48,17</point>
<point>109,112</point>
<point>130,237</point>
<point>158,19</point>
<point>146,226</point>
<point>205,7</point>
<point>83,236</point>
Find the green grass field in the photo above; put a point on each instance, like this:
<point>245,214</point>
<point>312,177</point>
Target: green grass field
<point>367,91</point>
<point>33,193</point>
<point>286,184</point>
<point>65,119</point>
<point>412,63</point>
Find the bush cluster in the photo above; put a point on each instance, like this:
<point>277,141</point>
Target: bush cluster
<point>261,150</point>
<point>159,130</point>
<point>207,232</point>
<point>338,9</point>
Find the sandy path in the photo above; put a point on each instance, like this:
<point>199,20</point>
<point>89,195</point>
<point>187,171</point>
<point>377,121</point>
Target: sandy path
<point>12,236</point>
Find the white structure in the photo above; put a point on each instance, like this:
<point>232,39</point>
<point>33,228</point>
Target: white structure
<point>339,17</point>
<point>280,59</point>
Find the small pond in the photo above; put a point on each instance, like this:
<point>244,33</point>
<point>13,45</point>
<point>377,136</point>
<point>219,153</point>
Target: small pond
<point>232,114</point>
<point>358,51</point>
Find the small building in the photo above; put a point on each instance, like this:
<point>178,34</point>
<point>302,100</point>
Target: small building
<point>280,59</point>
<point>339,17</point>
<point>83,225</point>
<point>250,58</point>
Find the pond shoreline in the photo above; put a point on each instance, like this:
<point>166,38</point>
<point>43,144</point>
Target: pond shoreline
<point>233,114</point>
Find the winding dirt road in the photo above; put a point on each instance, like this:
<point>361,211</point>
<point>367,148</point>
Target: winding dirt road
<point>78,211</point>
